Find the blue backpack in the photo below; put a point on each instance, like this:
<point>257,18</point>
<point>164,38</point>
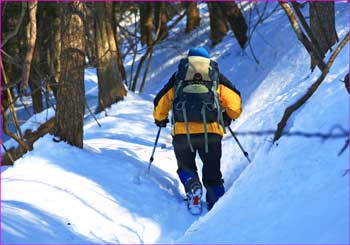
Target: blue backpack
<point>196,98</point>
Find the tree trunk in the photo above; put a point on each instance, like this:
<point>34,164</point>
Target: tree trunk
<point>218,25</point>
<point>161,18</point>
<point>35,85</point>
<point>70,94</point>
<point>31,38</point>
<point>90,34</point>
<point>55,52</point>
<point>193,18</point>
<point>322,23</point>
<point>236,20</point>
<point>310,47</point>
<point>111,88</point>
<point>120,61</point>
<point>146,23</point>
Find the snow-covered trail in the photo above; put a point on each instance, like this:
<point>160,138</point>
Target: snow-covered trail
<point>101,194</point>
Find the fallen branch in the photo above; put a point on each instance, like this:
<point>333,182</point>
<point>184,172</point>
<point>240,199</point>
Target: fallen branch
<point>15,153</point>
<point>288,112</point>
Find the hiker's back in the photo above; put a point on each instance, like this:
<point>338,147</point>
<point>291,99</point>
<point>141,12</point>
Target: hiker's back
<point>196,97</point>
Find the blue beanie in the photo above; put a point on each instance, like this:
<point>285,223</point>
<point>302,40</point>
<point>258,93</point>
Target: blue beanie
<point>199,52</point>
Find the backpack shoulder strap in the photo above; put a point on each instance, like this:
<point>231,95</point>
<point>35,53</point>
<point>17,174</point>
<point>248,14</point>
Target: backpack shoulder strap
<point>214,73</point>
<point>182,69</point>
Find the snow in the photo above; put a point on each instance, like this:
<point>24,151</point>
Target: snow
<point>295,191</point>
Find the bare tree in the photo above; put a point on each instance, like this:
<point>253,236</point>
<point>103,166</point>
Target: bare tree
<point>235,18</point>
<point>35,85</point>
<point>193,17</point>
<point>309,45</point>
<point>218,25</point>
<point>70,94</point>
<point>115,29</point>
<point>31,38</point>
<point>161,19</point>
<point>146,22</point>
<point>55,49</point>
<point>322,23</point>
<point>111,88</point>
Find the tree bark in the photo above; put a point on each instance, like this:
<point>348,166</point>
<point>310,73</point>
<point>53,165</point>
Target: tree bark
<point>322,23</point>
<point>55,53</point>
<point>111,88</point>
<point>236,20</point>
<point>32,8</point>
<point>35,85</point>
<point>70,94</point>
<point>193,17</point>
<point>218,25</point>
<point>161,18</point>
<point>314,42</point>
<point>146,22</point>
<point>120,60</point>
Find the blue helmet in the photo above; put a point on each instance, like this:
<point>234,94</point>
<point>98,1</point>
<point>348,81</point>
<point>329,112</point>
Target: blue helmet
<point>199,52</point>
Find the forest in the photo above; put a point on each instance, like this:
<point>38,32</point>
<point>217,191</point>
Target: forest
<point>47,46</point>
<point>67,68</point>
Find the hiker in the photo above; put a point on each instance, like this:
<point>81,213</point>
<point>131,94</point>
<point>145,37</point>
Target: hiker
<point>202,101</point>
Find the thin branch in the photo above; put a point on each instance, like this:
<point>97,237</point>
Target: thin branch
<point>17,152</point>
<point>7,131</point>
<point>11,104</point>
<point>92,114</point>
<point>288,112</point>
<point>149,50</point>
<point>151,53</point>
<point>15,31</point>
<point>346,145</point>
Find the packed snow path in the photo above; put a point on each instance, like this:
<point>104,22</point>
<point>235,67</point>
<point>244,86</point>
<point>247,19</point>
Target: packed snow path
<point>101,193</point>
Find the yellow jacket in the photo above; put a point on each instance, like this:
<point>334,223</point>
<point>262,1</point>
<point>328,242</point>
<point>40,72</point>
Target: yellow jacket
<point>229,98</point>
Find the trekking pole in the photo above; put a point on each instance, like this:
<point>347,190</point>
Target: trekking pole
<point>239,144</point>
<point>154,149</point>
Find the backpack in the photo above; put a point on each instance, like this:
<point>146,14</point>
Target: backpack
<point>196,98</point>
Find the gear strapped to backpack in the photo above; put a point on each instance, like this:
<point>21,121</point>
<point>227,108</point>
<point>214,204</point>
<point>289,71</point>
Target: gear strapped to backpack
<point>196,98</point>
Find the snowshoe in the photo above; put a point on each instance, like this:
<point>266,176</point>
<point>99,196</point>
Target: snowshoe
<point>194,202</point>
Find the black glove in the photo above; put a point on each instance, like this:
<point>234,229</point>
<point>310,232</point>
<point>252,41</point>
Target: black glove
<point>227,120</point>
<point>161,123</point>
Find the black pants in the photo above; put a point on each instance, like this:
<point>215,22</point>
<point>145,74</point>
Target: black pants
<point>211,160</point>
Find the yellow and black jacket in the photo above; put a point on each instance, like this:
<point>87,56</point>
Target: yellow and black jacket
<point>229,98</point>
